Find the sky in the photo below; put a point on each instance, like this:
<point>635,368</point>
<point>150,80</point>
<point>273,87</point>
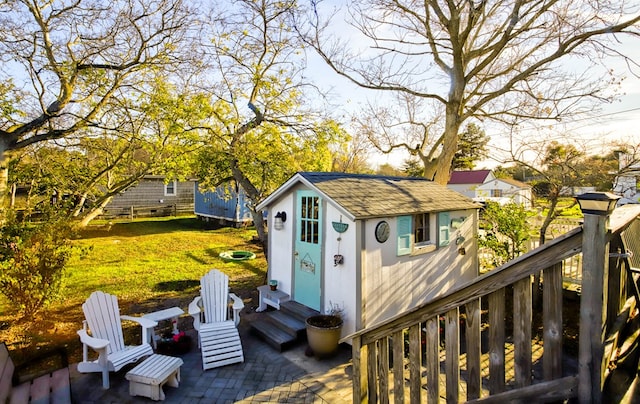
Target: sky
<point>618,121</point>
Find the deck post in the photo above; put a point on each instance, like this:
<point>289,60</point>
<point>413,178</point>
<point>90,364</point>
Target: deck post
<point>596,207</point>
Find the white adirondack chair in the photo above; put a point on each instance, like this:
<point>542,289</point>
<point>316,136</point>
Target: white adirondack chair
<point>102,315</point>
<point>216,314</point>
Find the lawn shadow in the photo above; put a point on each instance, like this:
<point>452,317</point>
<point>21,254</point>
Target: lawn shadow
<point>176,286</point>
<point>124,229</point>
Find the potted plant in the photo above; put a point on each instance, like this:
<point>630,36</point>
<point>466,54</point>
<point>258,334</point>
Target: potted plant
<point>174,344</point>
<point>273,284</point>
<point>324,331</point>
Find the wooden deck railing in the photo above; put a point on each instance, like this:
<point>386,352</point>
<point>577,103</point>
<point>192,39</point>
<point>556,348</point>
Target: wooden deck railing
<point>388,358</point>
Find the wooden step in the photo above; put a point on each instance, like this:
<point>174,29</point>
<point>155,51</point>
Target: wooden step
<point>298,310</point>
<point>272,335</point>
<point>290,324</point>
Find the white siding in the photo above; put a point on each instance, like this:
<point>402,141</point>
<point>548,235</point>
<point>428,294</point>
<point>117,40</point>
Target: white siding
<point>394,284</point>
<point>340,285</point>
<point>281,244</point>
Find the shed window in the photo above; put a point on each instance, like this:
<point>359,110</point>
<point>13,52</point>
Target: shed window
<point>423,232</point>
<point>170,188</point>
<point>310,220</point>
<point>421,228</point>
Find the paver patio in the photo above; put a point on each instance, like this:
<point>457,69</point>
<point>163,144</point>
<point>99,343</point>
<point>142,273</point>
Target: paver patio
<point>266,376</point>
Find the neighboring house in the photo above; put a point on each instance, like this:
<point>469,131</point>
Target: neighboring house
<point>153,197</point>
<point>374,245</point>
<point>227,205</point>
<point>505,190</point>
<point>466,182</point>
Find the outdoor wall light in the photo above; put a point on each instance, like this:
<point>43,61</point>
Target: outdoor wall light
<point>279,219</point>
<point>597,203</point>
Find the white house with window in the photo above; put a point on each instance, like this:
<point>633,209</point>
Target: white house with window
<point>374,245</point>
<point>505,190</point>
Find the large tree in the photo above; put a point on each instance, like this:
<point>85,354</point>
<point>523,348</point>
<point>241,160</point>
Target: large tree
<point>67,62</point>
<point>500,61</point>
<point>261,125</point>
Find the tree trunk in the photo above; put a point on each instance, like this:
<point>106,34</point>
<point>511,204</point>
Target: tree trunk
<point>93,213</point>
<point>4,180</point>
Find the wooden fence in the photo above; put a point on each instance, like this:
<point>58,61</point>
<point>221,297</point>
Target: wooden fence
<point>417,356</point>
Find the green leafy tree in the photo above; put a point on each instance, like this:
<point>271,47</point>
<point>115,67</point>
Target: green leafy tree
<point>505,231</point>
<point>260,127</point>
<point>67,64</point>
<point>92,167</point>
<point>472,147</point>
<point>413,168</point>
<point>558,172</point>
<point>33,256</point>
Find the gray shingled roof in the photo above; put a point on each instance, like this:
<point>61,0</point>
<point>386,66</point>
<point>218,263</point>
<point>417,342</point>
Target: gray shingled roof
<point>375,195</point>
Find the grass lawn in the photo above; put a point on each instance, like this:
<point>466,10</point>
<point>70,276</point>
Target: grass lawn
<point>149,264</point>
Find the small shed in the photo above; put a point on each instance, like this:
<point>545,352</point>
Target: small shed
<point>374,245</point>
<point>226,205</point>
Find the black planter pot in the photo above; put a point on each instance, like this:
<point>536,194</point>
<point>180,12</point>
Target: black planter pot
<point>173,348</point>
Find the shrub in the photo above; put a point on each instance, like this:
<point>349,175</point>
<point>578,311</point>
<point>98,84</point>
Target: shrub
<point>32,261</point>
<point>505,232</point>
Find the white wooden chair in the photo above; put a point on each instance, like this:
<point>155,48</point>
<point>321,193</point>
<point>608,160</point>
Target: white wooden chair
<point>216,314</point>
<point>102,315</point>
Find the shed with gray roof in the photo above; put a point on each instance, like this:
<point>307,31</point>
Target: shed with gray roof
<point>374,245</point>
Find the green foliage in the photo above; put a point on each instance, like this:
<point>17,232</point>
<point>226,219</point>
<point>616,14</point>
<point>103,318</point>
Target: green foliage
<point>472,147</point>
<point>32,261</point>
<point>505,232</point>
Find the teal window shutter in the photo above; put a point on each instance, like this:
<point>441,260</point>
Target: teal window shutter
<point>443,226</point>
<point>404,235</point>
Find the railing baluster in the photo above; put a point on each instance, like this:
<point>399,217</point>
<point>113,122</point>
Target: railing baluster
<point>383,369</point>
<point>415,363</point>
<point>398,366</point>
<point>359,389</point>
<point>522,317</point>
<point>372,365</point>
<point>433,359</point>
<point>496,342</point>
<point>552,313</point>
<point>452,362</point>
<point>473,347</point>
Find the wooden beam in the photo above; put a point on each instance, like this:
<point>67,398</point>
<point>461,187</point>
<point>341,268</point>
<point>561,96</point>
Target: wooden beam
<point>522,319</point>
<point>433,359</point>
<point>474,349</point>
<point>398,366</point>
<point>595,269</point>
<point>452,348</point>
<point>496,342</point>
<point>552,322</point>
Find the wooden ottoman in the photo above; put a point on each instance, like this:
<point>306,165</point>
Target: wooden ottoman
<point>147,378</point>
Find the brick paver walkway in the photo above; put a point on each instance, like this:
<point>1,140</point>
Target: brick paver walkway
<point>266,376</point>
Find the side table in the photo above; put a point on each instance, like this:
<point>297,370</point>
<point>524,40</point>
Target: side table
<point>171,313</point>
<point>271,298</point>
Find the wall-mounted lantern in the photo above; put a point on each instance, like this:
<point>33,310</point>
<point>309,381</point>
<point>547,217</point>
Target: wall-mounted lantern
<point>279,219</point>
